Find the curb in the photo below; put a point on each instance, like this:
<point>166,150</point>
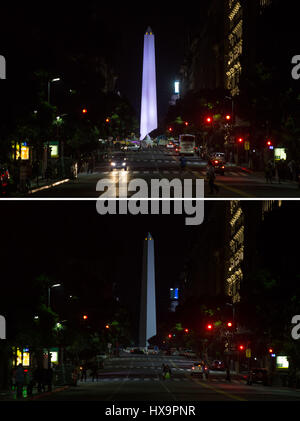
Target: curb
<point>41,395</point>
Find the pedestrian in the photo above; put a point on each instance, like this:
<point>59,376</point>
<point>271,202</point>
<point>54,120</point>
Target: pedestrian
<point>211,176</point>
<point>292,169</point>
<point>182,163</point>
<point>49,378</point>
<point>95,373</point>
<point>269,172</point>
<point>20,379</point>
<point>83,373</point>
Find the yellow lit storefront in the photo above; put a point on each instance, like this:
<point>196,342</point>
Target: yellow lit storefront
<point>20,150</point>
<point>21,356</point>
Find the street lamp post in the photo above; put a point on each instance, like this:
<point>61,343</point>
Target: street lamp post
<point>49,292</point>
<point>57,79</point>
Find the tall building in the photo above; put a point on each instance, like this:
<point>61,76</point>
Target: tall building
<point>148,121</point>
<point>241,39</point>
<point>224,251</point>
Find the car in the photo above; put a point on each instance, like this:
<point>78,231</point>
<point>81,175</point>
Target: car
<point>133,147</point>
<point>118,162</point>
<point>218,155</point>
<point>199,368</point>
<point>217,365</point>
<point>137,351</point>
<point>170,145</point>
<point>218,165</point>
<point>258,375</point>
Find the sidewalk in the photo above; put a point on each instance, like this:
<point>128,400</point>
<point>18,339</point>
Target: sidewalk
<point>10,396</point>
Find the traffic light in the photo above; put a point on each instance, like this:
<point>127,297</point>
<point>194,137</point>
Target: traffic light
<point>170,129</point>
<point>107,326</point>
<point>269,144</point>
<point>84,111</point>
<point>186,123</point>
<point>241,347</point>
<point>169,335</point>
<point>270,350</point>
<point>186,330</point>
<point>107,120</point>
<point>208,120</point>
<point>209,326</point>
<point>229,324</point>
<point>85,317</point>
<point>228,117</point>
<point>240,140</point>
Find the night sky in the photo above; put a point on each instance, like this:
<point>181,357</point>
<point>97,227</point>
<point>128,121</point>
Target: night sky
<point>35,34</point>
<point>73,244</point>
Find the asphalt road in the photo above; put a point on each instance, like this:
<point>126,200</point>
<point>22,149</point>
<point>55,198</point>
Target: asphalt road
<point>137,378</point>
<point>151,164</point>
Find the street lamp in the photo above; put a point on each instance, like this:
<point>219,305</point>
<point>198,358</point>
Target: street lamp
<point>57,79</point>
<point>49,289</point>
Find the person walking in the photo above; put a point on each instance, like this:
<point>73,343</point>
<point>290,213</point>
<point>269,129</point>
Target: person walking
<point>20,379</point>
<point>269,172</point>
<point>211,176</point>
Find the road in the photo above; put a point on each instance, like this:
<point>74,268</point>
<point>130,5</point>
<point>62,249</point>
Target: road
<point>151,164</point>
<point>137,378</point>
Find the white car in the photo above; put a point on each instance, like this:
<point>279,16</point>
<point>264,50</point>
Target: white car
<point>133,147</point>
<point>218,155</point>
<point>170,145</point>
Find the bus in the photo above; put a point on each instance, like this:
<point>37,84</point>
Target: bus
<point>187,143</point>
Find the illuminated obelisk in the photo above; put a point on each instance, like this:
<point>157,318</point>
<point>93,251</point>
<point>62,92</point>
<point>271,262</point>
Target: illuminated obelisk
<point>148,296</point>
<point>149,102</point>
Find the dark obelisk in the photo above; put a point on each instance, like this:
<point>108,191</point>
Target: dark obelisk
<point>148,298</point>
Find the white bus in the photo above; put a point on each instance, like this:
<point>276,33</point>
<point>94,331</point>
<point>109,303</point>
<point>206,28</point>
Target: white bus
<point>187,143</point>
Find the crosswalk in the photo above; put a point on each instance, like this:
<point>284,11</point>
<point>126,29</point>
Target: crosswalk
<point>148,379</point>
<point>174,172</point>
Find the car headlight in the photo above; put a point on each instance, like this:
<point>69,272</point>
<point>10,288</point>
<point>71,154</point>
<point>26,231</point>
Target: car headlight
<point>123,164</point>
<point>113,164</point>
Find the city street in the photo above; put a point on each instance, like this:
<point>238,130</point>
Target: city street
<point>160,163</point>
<point>137,378</point>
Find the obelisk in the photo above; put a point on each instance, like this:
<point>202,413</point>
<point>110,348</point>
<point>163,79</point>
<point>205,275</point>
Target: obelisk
<point>148,296</point>
<point>148,121</point>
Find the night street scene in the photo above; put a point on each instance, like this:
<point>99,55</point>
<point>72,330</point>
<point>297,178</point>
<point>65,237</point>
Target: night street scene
<point>209,94</point>
<point>223,300</point>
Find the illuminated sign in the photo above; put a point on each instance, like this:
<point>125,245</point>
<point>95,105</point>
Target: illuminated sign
<point>22,152</point>
<point>174,293</point>
<point>282,362</point>
<point>280,153</point>
<point>54,151</point>
<point>176,89</point>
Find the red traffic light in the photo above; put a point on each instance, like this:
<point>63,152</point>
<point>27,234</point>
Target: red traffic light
<point>107,120</point>
<point>228,117</point>
<point>209,120</point>
<point>229,324</point>
<point>169,335</point>
<point>84,111</point>
<point>85,317</point>
<point>241,347</point>
<point>107,326</point>
<point>240,140</point>
<point>209,326</point>
<point>269,143</point>
<point>271,350</point>
<point>186,123</point>
<point>186,330</point>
